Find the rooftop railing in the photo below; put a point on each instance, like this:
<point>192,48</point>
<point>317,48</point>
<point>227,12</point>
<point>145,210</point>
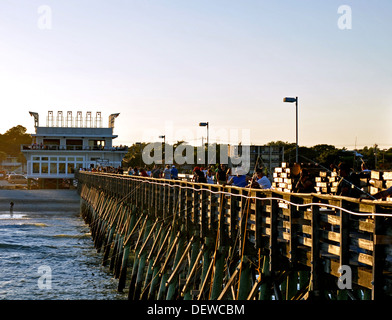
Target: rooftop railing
<point>33,147</point>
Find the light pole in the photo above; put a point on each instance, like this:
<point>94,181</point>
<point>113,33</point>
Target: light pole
<point>164,146</point>
<point>288,99</point>
<point>139,144</point>
<point>205,124</point>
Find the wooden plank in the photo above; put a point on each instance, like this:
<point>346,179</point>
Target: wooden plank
<point>258,225</point>
<point>365,259</point>
<point>293,236</point>
<point>378,260</point>
<point>363,207</point>
<point>306,229</point>
<point>330,235</point>
<point>316,264</point>
<point>364,244</point>
<point>344,236</point>
<point>331,219</point>
<point>367,226</point>
<point>273,240</point>
<point>305,241</point>
<point>330,248</point>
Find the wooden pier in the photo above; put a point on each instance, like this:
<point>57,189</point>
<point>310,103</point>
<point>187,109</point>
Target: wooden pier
<point>173,240</point>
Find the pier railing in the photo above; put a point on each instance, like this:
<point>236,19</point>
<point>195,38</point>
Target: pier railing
<point>172,239</point>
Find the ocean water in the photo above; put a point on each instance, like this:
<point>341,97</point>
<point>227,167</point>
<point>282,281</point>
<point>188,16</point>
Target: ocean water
<point>49,255</point>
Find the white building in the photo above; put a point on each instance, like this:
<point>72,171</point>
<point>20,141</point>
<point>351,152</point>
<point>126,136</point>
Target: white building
<point>67,144</point>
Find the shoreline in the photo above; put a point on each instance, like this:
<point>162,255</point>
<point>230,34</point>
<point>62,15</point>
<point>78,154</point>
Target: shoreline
<point>40,200</point>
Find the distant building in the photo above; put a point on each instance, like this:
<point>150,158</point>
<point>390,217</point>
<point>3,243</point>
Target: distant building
<point>67,144</point>
<point>12,164</point>
<point>268,157</point>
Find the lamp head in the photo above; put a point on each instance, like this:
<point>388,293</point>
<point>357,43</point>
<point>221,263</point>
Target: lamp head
<point>289,99</point>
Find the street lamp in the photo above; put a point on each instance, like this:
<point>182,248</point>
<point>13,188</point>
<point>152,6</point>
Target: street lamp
<point>164,147</point>
<point>205,124</point>
<point>291,100</point>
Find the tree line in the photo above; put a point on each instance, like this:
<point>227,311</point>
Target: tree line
<point>323,154</point>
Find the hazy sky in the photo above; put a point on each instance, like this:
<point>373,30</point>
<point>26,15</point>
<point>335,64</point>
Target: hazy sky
<point>174,63</point>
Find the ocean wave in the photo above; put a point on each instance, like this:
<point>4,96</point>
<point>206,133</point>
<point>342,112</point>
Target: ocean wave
<point>23,225</point>
<point>12,216</point>
<point>31,247</point>
<point>13,246</point>
<point>85,235</point>
<point>37,224</point>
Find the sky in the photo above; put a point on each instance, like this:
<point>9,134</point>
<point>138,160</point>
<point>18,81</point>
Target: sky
<point>166,65</point>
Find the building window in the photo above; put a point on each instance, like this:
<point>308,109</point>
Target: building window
<point>62,167</point>
<point>53,168</point>
<point>96,144</point>
<point>71,168</point>
<point>36,167</point>
<point>52,144</point>
<point>44,167</point>
<point>74,144</point>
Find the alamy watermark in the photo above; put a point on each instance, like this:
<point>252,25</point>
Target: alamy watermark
<point>345,281</point>
<point>184,153</point>
<point>345,18</point>
<point>44,281</point>
<point>44,21</point>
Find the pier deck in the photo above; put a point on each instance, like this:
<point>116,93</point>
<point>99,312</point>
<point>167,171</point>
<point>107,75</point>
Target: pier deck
<point>172,239</point>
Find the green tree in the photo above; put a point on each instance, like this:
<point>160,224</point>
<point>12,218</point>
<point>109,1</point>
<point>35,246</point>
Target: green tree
<point>326,154</point>
<point>133,158</point>
<point>11,141</point>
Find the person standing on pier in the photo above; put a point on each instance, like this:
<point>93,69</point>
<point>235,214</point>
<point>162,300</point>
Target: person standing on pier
<point>174,172</point>
<point>210,176</point>
<point>221,174</point>
<point>305,183</point>
<point>348,185</point>
<point>156,172</point>
<point>198,175</point>
<point>167,172</point>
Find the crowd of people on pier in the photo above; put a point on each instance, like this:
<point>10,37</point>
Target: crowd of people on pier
<point>221,175</point>
<point>349,180</point>
<point>349,185</point>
